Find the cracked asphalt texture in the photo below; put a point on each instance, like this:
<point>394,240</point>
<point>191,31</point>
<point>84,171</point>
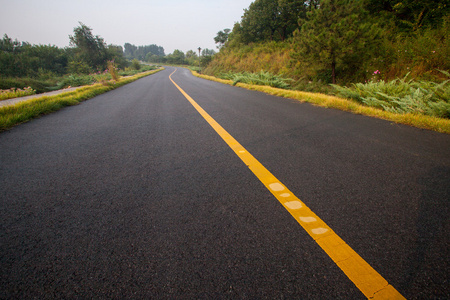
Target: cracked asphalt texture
<point>133,195</point>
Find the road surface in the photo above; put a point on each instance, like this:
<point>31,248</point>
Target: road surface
<point>133,194</point>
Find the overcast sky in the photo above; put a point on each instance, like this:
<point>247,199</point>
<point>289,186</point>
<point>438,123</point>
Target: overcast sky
<point>172,24</point>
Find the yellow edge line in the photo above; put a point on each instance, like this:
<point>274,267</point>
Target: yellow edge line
<point>366,279</point>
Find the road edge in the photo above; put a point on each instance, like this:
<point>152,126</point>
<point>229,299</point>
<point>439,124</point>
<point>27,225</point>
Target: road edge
<point>419,121</point>
<point>24,111</point>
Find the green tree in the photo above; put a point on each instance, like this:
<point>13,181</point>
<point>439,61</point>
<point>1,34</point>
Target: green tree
<point>336,33</point>
<point>141,52</point>
<point>116,54</point>
<point>177,57</point>
<point>89,50</point>
<point>129,50</point>
<point>273,20</point>
<point>411,15</point>
<point>192,58</point>
<point>207,56</point>
<point>222,37</point>
<point>23,59</point>
<point>208,52</point>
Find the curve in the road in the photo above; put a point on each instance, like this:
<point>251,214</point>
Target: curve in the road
<point>367,279</point>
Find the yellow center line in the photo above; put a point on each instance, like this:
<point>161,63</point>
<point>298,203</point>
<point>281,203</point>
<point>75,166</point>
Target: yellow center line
<point>366,279</point>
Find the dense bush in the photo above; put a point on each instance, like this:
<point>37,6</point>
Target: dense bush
<point>402,96</point>
<point>261,78</point>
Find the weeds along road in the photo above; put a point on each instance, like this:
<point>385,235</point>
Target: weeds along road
<point>132,194</point>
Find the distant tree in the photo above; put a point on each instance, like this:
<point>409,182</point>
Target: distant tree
<point>9,51</point>
<point>336,32</point>
<point>191,54</point>
<point>129,50</point>
<point>177,57</point>
<point>117,54</point>
<point>222,37</point>
<point>8,45</point>
<point>192,58</point>
<point>141,52</point>
<point>208,52</point>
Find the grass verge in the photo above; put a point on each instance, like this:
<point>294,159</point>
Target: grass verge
<point>21,112</point>
<point>411,119</point>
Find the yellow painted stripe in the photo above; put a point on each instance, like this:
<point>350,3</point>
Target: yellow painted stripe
<point>366,279</point>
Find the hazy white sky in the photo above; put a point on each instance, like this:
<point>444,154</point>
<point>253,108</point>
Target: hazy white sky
<point>172,24</point>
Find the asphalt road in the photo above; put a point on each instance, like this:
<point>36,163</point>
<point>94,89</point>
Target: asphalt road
<point>133,195</point>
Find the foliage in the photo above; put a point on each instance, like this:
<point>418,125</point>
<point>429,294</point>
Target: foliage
<point>89,50</point>
<point>268,20</point>
<point>39,85</point>
<point>135,64</point>
<point>261,78</point>
<point>117,55</point>
<point>337,33</point>
<point>192,58</point>
<point>14,93</point>
<point>343,41</point>
<point>420,54</point>
<point>22,59</point>
<point>222,37</point>
<point>131,71</point>
<point>141,52</point>
<point>411,15</point>
<point>420,121</point>
<point>176,58</point>
<point>208,52</point>
<point>272,57</point>
<point>401,96</point>
<point>73,80</point>
<point>46,68</point>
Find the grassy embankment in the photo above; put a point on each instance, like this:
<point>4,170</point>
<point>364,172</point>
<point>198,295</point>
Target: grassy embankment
<point>24,111</point>
<point>412,119</point>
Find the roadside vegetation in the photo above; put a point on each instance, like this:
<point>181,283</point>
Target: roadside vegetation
<point>33,69</point>
<point>319,42</point>
<point>329,101</point>
<point>42,68</point>
<point>261,78</point>
<point>14,93</point>
<point>402,96</point>
<point>388,58</point>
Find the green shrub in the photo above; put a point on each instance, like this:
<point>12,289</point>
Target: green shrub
<point>135,64</point>
<point>261,78</point>
<point>75,80</point>
<point>402,96</point>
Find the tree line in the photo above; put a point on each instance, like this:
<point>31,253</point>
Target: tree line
<point>87,53</point>
<point>178,57</point>
<point>142,53</point>
<point>344,39</point>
